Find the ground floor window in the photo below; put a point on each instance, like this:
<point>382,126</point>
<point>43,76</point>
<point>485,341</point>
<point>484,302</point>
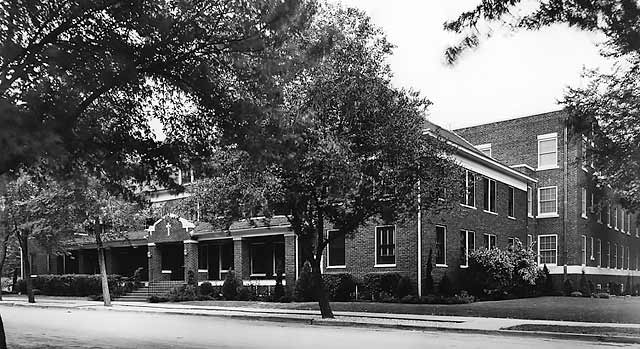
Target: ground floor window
<point>615,256</point>
<point>583,250</point>
<point>216,259</point>
<point>441,245</point>
<point>489,241</point>
<point>467,244</point>
<point>267,259</point>
<point>386,244</point>
<point>599,253</point>
<point>336,249</point>
<point>548,249</point>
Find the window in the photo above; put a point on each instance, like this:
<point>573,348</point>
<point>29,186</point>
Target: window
<point>489,195</point>
<point>489,241</point>
<point>584,203</point>
<point>485,149</point>
<point>621,264</point>
<point>335,249</point>
<point>203,261</point>
<point>548,249</point>
<point>261,259</point>
<point>608,212</point>
<point>386,245</point>
<point>467,244</point>
<point>511,202</point>
<point>470,189</point>
<point>547,201</point>
<point>548,151</point>
<point>615,218</point>
<point>511,242</point>
<point>583,249</point>
<point>529,241</point>
<point>622,216</point>
<point>441,245</point>
<point>592,247</point>
<point>600,212</point>
<point>628,258</point>
<point>529,202</point>
<point>608,255</point>
<point>628,223</point>
<point>615,256</point>
<point>599,253</point>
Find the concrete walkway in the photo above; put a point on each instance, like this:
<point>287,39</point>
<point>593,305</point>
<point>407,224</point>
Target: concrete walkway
<point>494,326</point>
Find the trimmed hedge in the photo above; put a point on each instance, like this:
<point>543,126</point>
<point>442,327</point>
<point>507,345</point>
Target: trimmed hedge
<point>386,287</point>
<point>78,285</point>
<point>341,287</point>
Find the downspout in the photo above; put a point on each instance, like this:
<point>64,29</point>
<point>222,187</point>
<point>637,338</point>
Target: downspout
<point>419,243</point>
<point>565,205</point>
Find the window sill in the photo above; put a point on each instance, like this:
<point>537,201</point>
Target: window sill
<point>336,266</point>
<point>467,206</point>
<point>514,218</point>
<point>166,272</point>
<point>258,275</point>
<point>489,212</point>
<point>584,217</point>
<point>464,266</point>
<point>548,215</point>
<point>442,266</point>
<point>548,168</point>
<point>384,265</point>
<point>530,216</point>
<point>203,270</point>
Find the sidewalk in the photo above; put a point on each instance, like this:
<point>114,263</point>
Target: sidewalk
<point>621,333</point>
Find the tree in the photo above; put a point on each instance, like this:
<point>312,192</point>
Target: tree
<point>80,81</point>
<point>348,147</point>
<point>607,109</point>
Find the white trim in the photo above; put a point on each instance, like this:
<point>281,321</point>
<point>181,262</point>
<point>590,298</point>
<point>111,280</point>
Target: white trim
<point>467,206</point>
<point>262,282</point>
<point>514,218</point>
<point>523,165</point>
<point>384,265</point>
<point>556,249</point>
<point>577,269</point>
<point>375,244</point>
<point>548,135</point>
<point>151,244</point>
<point>215,238</point>
<point>258,275</point>
<point>485,171</point>
<point>345,251</point>
<point>493,213</point>
<point>166,272</point>
<point>190,241</point>
<point>256,235</point>
<point>203,270</point>
<point>548,214</point>
<point>484,147</point>
<point>442,266</point>
<point>583,202</point>
<point>336,266</point>
<point>212,282</point>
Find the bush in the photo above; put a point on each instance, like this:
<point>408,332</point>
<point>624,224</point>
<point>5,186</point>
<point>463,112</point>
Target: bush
<point>243,294</point>
<point>445,287</point>
<point>230,286</point>
<point>462,298</point>
<point>304,288</point>
<point>382,286</point>
<point>340,287</point>
<point>404,287</point>
<point>158,299</point>
<point>76,285</point>
<point>206,289</point>
<point>602,295</point>
<point>183,293</point>
<point>567,287</point>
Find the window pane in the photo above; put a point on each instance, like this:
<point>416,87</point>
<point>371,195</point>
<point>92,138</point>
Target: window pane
<point>336,249</point>
<point>385,249</point>
<point>547,160</point>
<point>440,244</point>
<point>547,146</point>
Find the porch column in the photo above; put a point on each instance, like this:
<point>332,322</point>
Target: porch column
<point>155,262</point>
<point>241,258</point>
<point>191,260</point>
<point>290,261</point>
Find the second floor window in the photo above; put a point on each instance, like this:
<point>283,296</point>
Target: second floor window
<point>548,151</point>
<point>511,202</point>
<point>470,189</point>
<point>489,194</point>
<point>547,201</point>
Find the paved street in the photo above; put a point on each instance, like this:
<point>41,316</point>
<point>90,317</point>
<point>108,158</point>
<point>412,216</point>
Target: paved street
<point>62,328</point>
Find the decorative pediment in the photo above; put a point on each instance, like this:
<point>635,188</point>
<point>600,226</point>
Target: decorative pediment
<point>170,228</point>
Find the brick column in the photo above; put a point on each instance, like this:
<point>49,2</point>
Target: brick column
<point>190,259</point>
<point>155,262</point>
<point>290,261</point>
<point>241,261</point>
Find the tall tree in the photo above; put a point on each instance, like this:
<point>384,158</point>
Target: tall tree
<point>607,108</point>
<point>80,81</point>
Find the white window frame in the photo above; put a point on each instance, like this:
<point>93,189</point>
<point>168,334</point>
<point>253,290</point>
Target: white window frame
<point>615,218</point>
<point>608,255</point>
<point>491,209</point>
<point>628,223</point>
<point>592,248</point>
<point>444,247</point>
<point>529,202</point>
<point>529,240</point>
<point>615,255</point>
<point>495,237</point>
<point>599,253</point>
<point>466,187</point>
<point>483,148</point>
<point>513,202</point>
<point>329,266</point>
<point>555,249</point>
<point>622,218</point>
<point>543,138</point>
<point>628,258</point>
<point>375,246</point>
<point>467,233</point>
<point>583,203</point>
<point>609,208</point>
<point>548,214</point>
<point>600,212</point>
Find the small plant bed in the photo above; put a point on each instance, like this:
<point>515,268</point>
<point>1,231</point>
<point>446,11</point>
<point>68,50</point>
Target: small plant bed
<point>594,330</point>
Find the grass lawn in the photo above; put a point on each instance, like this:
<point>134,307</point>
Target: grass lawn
<point>616,310</point>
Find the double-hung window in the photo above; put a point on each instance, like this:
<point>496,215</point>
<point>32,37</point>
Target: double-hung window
<point>583,249</point>
<point>470,189</point>
<point>489,241</point>
<point>599,253</point>
<point>511,203</point>
<point>547,151</point>
<point>622,217</point>
<point>467,244</point>
<point>386,245</point>
<point>489,194</point>
<point>591,248</point>
<point>548,201</point>
<point>584,203</point>
<point>441,245</point>
<point>335,249</point>
<point>529,202</point>
<point>608,254</point>
<point>548,249</point>
<point>615,256</point>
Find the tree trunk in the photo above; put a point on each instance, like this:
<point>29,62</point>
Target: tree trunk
<point>103,268</point>
<point>3,255</point>
<point>26,266</point>
<point>3,339</point>
<point>321,293</point>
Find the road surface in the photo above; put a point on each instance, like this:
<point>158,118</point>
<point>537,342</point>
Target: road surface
<point>62,328</point>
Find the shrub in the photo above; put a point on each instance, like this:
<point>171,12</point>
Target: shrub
<point>243,294</point>
<point>278,291</point>
<point>584,285</point>
<point>445,287</point>
<point>381,286</point>
<point>77,285</point>
<point>340,287</point>
<point>567,287</point>
<point>158,299</point>
<point>304,288</point>
<point>183,293</point>
<point>547,282</point>
<point>404,287</point>
<point>602,295</point>
<point>205,289</point>
<point>230,286</point>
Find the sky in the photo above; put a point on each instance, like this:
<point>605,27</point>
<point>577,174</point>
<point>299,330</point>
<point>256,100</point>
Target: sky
<point>511,74</point>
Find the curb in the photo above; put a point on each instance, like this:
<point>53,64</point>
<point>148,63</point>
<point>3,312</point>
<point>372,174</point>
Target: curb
<point>340,323</point>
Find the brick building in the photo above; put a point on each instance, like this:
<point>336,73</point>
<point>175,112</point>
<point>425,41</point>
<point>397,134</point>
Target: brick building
<point>578,227</point>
